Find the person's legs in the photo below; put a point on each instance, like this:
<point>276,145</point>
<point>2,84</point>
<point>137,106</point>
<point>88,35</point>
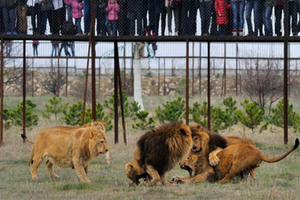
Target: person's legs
<point>235,15</point>
<point>163,19</point>
<point>241,14</point>
<point>6,20</point>
<point>268,21</point>
<point>176,18</point>
<point>207,17</point>
<point>87,16</point>
<point>69,13</point>
<point>13,19</point>
<point>78,25</point>
<point>249,8</point>
<point>278,16</point>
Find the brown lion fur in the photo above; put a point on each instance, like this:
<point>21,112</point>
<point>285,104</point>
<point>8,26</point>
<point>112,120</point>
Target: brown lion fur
<point>205,149</point>
<point>67,148</point>
<point>235,160</point>
<point>158,151</point>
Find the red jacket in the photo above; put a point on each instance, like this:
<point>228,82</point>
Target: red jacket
<point>221,7</point>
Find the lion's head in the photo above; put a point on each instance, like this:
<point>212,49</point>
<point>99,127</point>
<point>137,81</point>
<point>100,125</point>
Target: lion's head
<point>201,139</point>
<point>93,141</point>
<point>189,164</point>
<point>134,172</point>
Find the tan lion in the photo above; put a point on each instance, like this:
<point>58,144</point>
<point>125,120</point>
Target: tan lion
<point>66,149</point>
<point>235,160</point>
<point>158,151</point>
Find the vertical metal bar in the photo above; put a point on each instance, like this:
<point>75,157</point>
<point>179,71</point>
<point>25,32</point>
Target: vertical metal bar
<point>86,83</point>
<point>236,71</point>
<point>164,91</point>
<point>32,78</point>
<point>117,63</point>
<point>224,72</point>
<point>285,93</point>
<point>1,91</point>
<point>158,79</point>
<point>58,74</point>
<point>200,68</point>
<point>116,105</point>
<point>92,33</point>
<point>132,79</point>
<point>193,71</point>
<point>285,76</point>
<point>124,73</point>
<point>208,88</point>
<point>67,76</point>
<point>24,88</point>
<point>187,83</point>
<point>99,77</point>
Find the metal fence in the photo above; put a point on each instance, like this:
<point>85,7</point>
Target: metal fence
<point>143,22</point>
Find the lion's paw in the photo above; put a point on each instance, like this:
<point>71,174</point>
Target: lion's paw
<point>177,179</point>
<point>213,159</point>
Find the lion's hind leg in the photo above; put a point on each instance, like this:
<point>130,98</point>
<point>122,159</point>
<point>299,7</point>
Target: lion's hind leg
<point>154,174</point>
<point>49,165</point>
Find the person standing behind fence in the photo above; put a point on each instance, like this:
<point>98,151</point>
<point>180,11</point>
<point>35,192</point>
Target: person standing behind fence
<point>278,17</point>
<point>55,44</point>
<point>205,8</point>
<point>68,4</point>
<point>188,17</point>
<point>173,9</point>
<point>35,44</point>
<point>22,16</point>
<point>113,10</point>
<point>238,7</point>
<point>77,7</point>
<point>269,4</point>
<point>10,15</point>
<point>221,7</point>
<point>134,12</point>
<point>58,16</point>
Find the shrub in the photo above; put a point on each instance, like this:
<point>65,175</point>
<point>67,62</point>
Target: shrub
<point>293,117</point>
<point>252,115</point>
<point>144,121</point>
<point>53,107</point>
<point>109,105</point>
<point>15,116</point>
<point>231,117</point>
<point>172,111</point>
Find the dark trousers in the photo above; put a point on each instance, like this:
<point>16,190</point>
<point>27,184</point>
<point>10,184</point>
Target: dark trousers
<point>136,16</point>
<point>123,21</point>
<point>205,14</point>
<point>188,17</point>
<point>57,19</point>
<point>278,17</point>
<point>163,19</point>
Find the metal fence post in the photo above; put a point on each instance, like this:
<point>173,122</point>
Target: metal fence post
<point>208,88</point>
<point>1,92</point>
<point>24,88</point>
<point>187,84</point>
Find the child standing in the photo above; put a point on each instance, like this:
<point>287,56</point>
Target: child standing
<point>77,7</point>
<point>113,10</point>
<point>221,7</point>
<point>35,44</point>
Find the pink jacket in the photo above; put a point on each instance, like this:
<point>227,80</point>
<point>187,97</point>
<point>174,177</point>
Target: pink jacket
<point>113,10</point>
<point>77,9</point>
<point>68,2</point>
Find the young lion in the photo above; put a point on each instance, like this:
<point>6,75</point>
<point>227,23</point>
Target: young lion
<point>67,149</point>
<point>158,151</point>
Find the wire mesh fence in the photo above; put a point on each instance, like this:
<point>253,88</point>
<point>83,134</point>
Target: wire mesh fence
<point>150,17</point>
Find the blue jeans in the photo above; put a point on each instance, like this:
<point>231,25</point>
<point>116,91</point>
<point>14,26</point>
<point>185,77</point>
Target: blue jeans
<point>268,21</point>
<point>69,13</point>
<point>10,19</point>
<point>112,27</point>
<point>78,25</point>
<point>251,5</point>
<point>238,8</point>
<point>205,14</point>
<point>54,50</point>
<point>87,16</point>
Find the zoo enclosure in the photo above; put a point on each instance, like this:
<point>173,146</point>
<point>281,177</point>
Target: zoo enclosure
<point>187,39</point>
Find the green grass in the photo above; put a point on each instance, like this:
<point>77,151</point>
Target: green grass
<point>273,181</point>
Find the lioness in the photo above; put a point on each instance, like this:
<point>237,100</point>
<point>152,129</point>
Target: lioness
<point>158,151</point>
<point>235,160</point>
<point>67,149</point>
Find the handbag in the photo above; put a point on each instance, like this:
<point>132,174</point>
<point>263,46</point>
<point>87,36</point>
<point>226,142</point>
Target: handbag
<point>47,5</point>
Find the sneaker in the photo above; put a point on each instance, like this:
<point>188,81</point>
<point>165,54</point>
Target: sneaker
<point>14,33</point>
<point>7,33</point>
<point>170,33</point>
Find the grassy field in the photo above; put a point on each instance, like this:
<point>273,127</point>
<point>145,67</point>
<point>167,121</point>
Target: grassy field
<point>273,181</point>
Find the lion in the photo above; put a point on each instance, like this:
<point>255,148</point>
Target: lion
<point>235,160</point>
<point>99,125</point>
<point>158,151</point>
<point>66,149</point>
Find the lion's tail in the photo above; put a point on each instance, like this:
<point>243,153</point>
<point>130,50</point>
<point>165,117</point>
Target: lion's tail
<point>25,139</point>
<point>276,159</point>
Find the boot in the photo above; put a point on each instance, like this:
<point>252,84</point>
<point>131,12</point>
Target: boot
<point>241,32</point>
<point>234,32</point>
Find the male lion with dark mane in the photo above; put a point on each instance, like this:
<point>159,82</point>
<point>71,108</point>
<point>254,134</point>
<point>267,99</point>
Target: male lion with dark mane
<point>158,151</point>
<point>235,160</point>
<point>67,149</point>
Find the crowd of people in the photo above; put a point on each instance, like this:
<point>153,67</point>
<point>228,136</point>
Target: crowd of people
<point>144,17</point>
